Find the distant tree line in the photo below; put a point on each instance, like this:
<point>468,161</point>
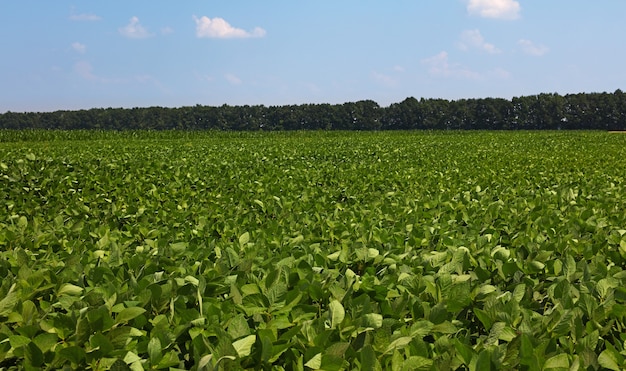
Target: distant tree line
<point>595,111</point>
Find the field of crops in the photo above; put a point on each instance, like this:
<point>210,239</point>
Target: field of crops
<point>312,250</point>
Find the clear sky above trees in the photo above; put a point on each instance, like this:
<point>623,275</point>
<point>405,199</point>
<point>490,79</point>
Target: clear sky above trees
<point>74,55</point>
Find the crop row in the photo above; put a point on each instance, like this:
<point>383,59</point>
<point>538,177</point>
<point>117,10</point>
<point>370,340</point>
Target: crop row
<point>296,251</point>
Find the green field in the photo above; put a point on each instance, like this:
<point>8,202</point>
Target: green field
<point>312,250</point>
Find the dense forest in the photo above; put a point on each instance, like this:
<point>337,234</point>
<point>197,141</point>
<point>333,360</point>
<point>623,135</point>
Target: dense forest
<point>595,111</point>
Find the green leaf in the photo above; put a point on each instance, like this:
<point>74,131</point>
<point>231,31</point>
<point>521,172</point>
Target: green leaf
<point>33,355</point>
<point>560,361</point>
<point>73,354</point>
<point>18,341</point>
<point>611,359</point>
<point>119,365</point>
<point>70,289</point>
<point>373,320</point>
<point>46,341</point>
<point>244,346</point>
<point>244,239</point>
<point>131,357</point>
<point>315,362</point>
<point>204,361</point>
<point>337,313</point>
<point>179,247</point>
<point>155,350</point>
<point>238,327</point>
<point>398,344</point>
<point>102,343</point>
<point>128,314</point>
<point>369,362</point>
<point>417,363</point>
<point>518,292</point>
<point>484,361</point>
<point>483,317</point>
<point>8,302</point>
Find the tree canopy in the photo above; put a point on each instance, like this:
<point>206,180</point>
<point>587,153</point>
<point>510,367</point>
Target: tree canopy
<point>595,111</point>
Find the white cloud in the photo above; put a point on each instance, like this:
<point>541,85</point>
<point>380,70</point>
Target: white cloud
<point>167,30</point>
<point>497,9</point>
<point>85,17</point>
<point>218,28</point>
<point>439,65</point>
<point>134,30</point>
<point>472,39</point>
<point>232,79</point>
<point>398,68</point>
<point>530,48</point>
<point>80,48</point>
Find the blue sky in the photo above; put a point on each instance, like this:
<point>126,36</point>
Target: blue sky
<point>83,54</point>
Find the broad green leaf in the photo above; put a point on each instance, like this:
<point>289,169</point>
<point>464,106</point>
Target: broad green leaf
<point>484,361</point>
<point>70,289</point>
<point>334,256</point>
<point>179,247</point>
<point>372,253</point>
<point>119,365</point>
<point>244,239</point>
<point>204,361</point>
<point>518,292</point>
<point>611,359</point>
<point>373,320</point>
<point>238,327</point>
<point>128,314</point>
<point>244,346</point>
<point>483,317</point>
<point>560,362</point>
<point>398,344</point>
<point>102,343</point>
<point>46,341</point>
<point>337,313</point>
<point>193,280</point>
<point>9,301</point>
<point>18,341</point>
<point>315,362</point>
<point>131,357</point>
<point>73,354</point>
<point>155,351</point>
<point>33,355</point>
<point>417,363</point>
<point>368,359</point>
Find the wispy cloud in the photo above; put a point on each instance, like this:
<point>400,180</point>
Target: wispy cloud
<point>218,28</point>
<point>134,30</point>
<point>86,17</point>
<point>232,79</point>
<point>384,79</point>
<point>531,48</point>
<point>472,39</point>
<point>79,48</point>
<point>496,9</point>
<point>439,65</point>
<point>389,78</point>
<point>85,70</point>
<point>167,30</point>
